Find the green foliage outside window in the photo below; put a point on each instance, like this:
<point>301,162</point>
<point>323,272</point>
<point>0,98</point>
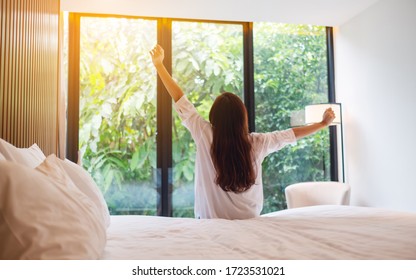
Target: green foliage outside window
<point>290,72</point>
<point>118,111</point>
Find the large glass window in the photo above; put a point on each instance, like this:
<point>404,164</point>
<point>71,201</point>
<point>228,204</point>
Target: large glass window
<point>119,117</point>
<point>117,123</point>
<point>290,71</point>
<point>207,60</point>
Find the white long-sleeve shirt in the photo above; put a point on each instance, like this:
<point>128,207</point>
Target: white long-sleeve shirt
<point>210,200</point>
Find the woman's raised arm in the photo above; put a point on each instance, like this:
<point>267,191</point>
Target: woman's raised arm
<point>306,130</point>
<point>172,87</point>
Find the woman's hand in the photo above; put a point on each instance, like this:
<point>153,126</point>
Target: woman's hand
<point>328,116</point>
<point>157,54</point>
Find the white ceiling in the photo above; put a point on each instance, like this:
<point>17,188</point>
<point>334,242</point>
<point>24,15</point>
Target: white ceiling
<point>318,12</point>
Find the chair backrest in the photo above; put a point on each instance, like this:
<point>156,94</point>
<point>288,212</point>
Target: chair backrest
<point>317,193</point>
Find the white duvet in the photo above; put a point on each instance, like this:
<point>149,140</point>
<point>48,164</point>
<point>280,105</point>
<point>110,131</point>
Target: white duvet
<point>317,232</point>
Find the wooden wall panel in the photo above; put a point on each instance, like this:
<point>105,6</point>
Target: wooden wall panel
<point>29,73</point>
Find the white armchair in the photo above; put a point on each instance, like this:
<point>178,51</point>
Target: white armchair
<point>317,193</point>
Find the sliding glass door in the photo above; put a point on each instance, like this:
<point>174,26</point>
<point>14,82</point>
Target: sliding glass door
<point>290,72</point>
<point>117,120</point>
<point>207,60</point>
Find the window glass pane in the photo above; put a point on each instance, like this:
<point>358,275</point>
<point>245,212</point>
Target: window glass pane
<point>207,59</point>
<point>117,128</point>
<point>290,72</point>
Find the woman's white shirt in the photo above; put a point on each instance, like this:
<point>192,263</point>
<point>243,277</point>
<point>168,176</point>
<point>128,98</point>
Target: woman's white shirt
<point>210,200</point>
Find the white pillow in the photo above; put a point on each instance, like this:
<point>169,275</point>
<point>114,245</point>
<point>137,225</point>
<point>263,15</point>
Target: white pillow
<point>2,157</point>
<point>46,217</point>
<point>85,183</point>
<point>30,157</point>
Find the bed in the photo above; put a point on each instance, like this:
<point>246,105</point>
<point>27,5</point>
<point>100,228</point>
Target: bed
<point>52,209</point>
<point>315,232</point>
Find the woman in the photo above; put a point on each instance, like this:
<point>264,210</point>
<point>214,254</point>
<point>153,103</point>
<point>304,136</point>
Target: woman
<point>228,177</point>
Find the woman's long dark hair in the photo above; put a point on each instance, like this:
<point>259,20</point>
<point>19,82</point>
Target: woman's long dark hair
<point>231,150</point>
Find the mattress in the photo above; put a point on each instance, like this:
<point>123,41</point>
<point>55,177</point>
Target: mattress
<point>316,232</point>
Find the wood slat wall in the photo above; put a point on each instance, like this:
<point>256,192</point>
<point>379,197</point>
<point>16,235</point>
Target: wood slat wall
<point>29,73</point>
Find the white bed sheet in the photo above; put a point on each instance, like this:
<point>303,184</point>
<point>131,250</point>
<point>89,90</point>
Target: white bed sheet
<point>317,232</point>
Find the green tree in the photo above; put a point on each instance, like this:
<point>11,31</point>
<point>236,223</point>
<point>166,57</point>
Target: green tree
<point>290,72</point>
<point>118,110</point>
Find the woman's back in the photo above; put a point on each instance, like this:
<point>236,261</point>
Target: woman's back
<point>210,200</point>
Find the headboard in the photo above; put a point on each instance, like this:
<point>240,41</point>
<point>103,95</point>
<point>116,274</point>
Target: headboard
<point>29,73</point>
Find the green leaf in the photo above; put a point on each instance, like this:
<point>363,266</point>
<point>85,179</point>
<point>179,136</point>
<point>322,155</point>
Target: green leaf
<point>134,161</point>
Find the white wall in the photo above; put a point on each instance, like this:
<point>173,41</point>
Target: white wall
<point>318,12</point>
<point>375,55</point>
